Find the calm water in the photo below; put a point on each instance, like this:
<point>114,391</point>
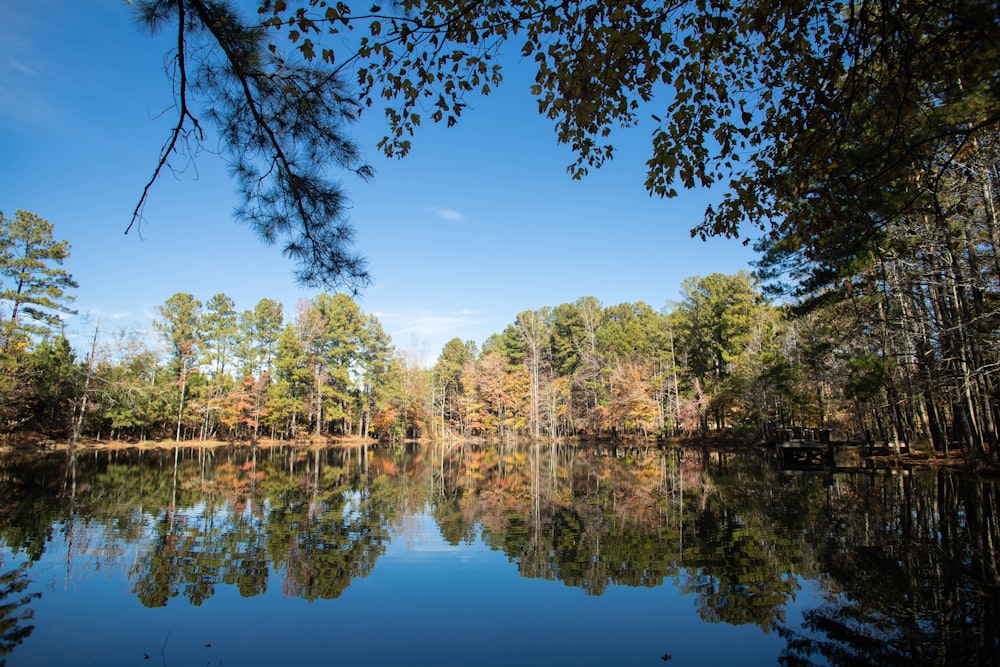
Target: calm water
<point>474,556</point>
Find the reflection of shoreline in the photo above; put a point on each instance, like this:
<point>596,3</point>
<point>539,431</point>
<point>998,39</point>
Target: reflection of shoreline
<point>715,445</point>
<point>88,445</point>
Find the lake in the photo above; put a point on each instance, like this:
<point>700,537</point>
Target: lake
<point>474,555</point>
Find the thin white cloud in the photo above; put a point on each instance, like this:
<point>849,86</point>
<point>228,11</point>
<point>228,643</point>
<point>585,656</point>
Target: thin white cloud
<point>105,315</point>
<point>448,214</point>
<point>21,68</point>
<point>430,324</point>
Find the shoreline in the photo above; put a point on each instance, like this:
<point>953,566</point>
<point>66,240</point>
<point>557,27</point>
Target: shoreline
<point>35,443</point>
<point>89,444</point>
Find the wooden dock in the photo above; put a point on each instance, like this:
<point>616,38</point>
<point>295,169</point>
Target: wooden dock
<point>813,447</point>
<point>805,452</point>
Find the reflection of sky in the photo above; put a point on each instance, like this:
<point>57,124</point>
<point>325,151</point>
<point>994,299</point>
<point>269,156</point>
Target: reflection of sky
<point>425,603</point>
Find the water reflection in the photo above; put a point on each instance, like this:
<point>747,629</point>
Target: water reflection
<point>15,613</point>
<point>906,563</point>
<point>909,565</point>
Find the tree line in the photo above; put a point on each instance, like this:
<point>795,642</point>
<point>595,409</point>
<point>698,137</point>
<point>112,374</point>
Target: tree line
<point>905,353</point>
<point>859,139</point>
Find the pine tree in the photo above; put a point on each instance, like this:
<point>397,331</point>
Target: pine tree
<point>180,324</point>
<point>33,283</point>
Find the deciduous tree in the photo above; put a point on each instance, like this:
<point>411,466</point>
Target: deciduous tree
<point>534,329</point>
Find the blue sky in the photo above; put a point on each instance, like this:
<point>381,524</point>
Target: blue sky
<point>478,223</point>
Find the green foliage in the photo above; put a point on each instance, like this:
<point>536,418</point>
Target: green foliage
<point>261,329</point>
<point>454,356</point>
<point>57,380</point>
<point>329,327</point>
<point>507,343</point>
<point>631,331</point>
<point>450,386</point>
<point>567,335</point>
<point>180,323</point>
<point>859,139</point>
<point>722,358</point>
<point>866,376</point>
<point>131,392</point>
<point>218,324</point>
<point>292,379</point>
<point>372,368</point>
<point>36,381</point>
<point>17,391</point>
<point>715,320</point>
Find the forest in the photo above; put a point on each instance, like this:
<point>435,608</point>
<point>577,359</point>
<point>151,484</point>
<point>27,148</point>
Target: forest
<point>906,353</point>
<point>857,145</point>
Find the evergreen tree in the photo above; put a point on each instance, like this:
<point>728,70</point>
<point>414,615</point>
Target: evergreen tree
<point>714,323</point>
<point>293,376</point>
<point>219,328</point>
<point>260,330</point>
<point>375,357</point>
<point>180,325</point>
<point>281,124</point>
<point>56,377</point>
<point>33,283</point>
<point>447,384</point>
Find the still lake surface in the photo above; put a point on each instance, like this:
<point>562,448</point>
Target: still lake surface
<point>530,554</point>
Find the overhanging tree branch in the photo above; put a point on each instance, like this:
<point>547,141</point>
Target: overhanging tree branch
<point>183,115</point>
<point>283,128</point>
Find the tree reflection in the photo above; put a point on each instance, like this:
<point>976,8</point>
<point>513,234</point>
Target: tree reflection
<point>455,524</point>
<point>907,563</point>
<point>923,586</point>
<point>312,522</point>
<point>330,545</point>
<point>741,559</point>
<point>15,614</point>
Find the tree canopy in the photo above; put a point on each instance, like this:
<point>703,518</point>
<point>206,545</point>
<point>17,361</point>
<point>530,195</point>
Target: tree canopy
<point>805,112</point>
